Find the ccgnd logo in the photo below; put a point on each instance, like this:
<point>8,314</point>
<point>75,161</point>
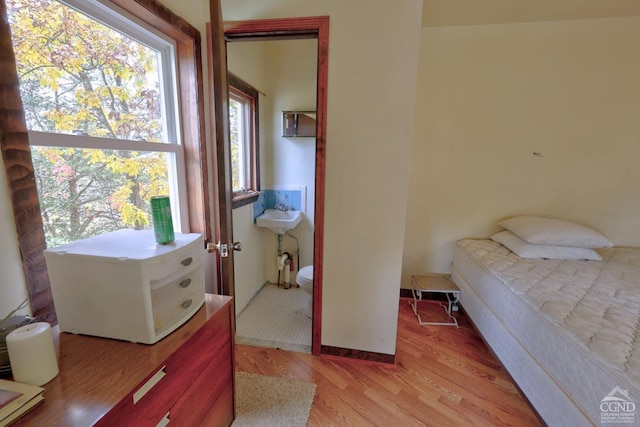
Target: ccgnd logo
<point>617,407</point>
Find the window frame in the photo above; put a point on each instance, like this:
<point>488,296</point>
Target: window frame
<point>240,88</point>
<point>14,144</point>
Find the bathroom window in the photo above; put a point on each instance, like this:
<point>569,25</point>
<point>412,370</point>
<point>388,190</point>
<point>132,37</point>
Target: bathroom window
<point>243,125</point>
<point>101,104</point>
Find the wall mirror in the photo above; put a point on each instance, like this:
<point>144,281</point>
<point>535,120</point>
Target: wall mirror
<point>298,123</point>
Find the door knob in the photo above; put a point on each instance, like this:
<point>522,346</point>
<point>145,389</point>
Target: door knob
<point>223,248</point>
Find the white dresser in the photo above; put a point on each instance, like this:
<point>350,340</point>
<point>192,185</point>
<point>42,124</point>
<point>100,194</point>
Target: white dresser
<point>124,285</point>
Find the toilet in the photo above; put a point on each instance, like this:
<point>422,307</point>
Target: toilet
<point>305,280</point>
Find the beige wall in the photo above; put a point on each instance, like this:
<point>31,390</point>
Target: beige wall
<point>373,56</point>
<point>247,60</point>
<point>249,264</point>
<point>488,98</point>
<point>13,288</point>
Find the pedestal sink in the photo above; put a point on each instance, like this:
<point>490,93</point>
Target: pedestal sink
<point>279,221</point>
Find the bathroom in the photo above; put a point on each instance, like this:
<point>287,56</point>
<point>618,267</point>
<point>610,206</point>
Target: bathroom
<point>284,73</point>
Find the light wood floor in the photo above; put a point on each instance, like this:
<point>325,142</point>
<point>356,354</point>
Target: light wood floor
<point>443,377</point>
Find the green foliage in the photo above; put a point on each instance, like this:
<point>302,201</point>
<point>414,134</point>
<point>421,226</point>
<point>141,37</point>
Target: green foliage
<point>234,139</point>
<point>78,76</point>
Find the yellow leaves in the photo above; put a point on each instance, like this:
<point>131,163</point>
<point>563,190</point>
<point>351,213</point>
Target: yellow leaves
<point>131,215</point>
<point>61,121</point>
<point>54,155</point>
<point>67,122</point>
<point>104,91</point>
<point>134,216</point>
<point>81,74</point>
<point>93,102</point>
<point>94,156</point>
<point>88,99</point>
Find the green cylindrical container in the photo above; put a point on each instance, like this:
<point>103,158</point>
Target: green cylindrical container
<point>162,222</point>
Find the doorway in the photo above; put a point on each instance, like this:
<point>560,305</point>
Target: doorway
<point>292,29</point>
<point>272,311</point>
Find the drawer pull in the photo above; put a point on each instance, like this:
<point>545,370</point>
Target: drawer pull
<point>164,422</point>
<point>186,261</point>
<point>185,283</point>
<point>155,379</point>
<point>186,304</point>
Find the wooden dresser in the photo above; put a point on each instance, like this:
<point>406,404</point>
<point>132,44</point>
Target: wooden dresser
<point>100,378</point>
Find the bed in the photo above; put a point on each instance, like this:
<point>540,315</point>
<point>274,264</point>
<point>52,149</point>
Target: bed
<point>566,330</point>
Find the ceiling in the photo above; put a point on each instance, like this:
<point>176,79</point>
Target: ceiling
<point>437,13</point>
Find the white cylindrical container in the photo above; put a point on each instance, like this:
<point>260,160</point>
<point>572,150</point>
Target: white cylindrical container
<point>32,354</point>
<point>287,273</point>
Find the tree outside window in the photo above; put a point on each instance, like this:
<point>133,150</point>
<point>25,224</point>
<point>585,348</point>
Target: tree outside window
<point>99,105</point>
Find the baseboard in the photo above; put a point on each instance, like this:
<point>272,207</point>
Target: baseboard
<point>388,360</point>
<point>406,293</point>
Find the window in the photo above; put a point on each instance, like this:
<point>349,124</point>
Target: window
<point>15,147</point>
<point>240,110</point>
<point>243,129</point>
<point>100,98</point>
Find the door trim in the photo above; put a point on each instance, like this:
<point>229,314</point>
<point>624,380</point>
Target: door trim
<point>297,28</point>
<point>219,101</point>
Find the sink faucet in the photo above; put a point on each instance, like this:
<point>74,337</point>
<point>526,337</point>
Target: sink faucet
<point>283,208</point>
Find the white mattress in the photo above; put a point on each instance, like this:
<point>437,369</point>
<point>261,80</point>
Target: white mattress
<point>578,320</point>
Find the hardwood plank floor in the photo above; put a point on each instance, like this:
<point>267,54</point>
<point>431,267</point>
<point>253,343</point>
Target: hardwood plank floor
<point>443,376</point>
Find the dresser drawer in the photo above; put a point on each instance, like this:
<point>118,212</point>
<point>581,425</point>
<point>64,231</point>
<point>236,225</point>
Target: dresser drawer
<point>211,389</point>
<point>174,377</point>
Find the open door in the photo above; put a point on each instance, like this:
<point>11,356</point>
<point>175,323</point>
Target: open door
<point>219,95</point>
<point>305,27</point>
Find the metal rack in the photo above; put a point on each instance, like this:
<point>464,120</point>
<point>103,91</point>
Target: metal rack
<point>435,284</point>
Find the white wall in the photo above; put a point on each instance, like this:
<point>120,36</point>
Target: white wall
<point>13,288</point>
<point>373,55</point>
<point>488,98</point>
<point>250,262</point>
<point>247,61</point>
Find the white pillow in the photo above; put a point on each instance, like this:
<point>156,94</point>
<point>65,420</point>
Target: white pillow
<point>548,231</point>
<point>528,250</point>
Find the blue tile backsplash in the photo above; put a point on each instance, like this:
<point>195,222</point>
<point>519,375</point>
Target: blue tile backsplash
<point>292,199</point>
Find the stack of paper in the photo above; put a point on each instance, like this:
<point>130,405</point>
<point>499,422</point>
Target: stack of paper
<point>16,399</point>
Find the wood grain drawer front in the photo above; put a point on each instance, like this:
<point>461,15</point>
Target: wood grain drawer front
<point>180,371</point>
<point>175,296</point>
<point>222,412</point>
<point>209,390</point>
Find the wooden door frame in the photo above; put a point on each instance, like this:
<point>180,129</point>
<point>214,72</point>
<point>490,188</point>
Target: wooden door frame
<point>290,29</point>
<point>219,102</point>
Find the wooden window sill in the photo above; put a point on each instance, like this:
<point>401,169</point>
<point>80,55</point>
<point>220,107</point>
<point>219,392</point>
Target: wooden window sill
<point>244,198</point>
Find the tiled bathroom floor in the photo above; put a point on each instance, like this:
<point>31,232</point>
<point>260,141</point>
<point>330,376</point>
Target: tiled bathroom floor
<point>274,319</point>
